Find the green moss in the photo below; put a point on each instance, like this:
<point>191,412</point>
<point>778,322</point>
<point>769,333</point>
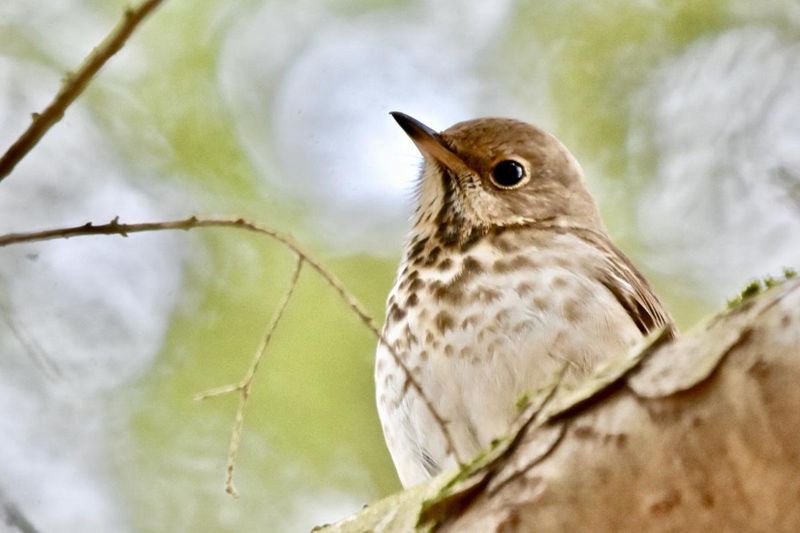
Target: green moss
<point>523,401</point>
<point>752,288</point>
<point>757,286</point>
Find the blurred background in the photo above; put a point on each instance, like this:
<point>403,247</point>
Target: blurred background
<point>684,113</point>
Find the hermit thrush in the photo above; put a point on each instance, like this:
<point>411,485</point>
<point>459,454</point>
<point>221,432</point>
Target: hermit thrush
<point>508,274</point>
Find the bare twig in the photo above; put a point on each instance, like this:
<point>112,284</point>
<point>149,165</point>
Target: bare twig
<point>40,358</point>
<point>14,518</point>
<point>117,228</point>
<point>74,85</point>
<point>246,384</point>
<point>789,181</point>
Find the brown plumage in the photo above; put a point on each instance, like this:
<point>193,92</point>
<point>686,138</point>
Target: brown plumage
<point>628,285</point>
<point>508,275</point>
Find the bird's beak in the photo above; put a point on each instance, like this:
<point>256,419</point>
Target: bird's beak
<point>430,143</point>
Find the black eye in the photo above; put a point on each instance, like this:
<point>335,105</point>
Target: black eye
<point>508,173</point>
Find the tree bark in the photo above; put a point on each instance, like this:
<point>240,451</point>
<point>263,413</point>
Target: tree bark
<point>698,433</point>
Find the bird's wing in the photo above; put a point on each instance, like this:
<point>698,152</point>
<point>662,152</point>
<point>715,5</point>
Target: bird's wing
<point>628,286</point>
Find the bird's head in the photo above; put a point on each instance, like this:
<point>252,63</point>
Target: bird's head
<point>492,173</point>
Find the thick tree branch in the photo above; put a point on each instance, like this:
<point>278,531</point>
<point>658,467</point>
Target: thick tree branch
<point>74,85</point>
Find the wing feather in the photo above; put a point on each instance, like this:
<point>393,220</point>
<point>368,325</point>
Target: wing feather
<point>618,274</point>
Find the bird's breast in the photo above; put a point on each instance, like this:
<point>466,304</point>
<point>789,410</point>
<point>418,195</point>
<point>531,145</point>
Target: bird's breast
<point>479,329</point>
<point>475,306</point>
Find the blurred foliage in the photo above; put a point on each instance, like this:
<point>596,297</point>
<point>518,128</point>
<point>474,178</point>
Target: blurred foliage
<point>602,54</point>
<point>312,404</point>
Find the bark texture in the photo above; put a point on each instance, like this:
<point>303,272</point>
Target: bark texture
<point>699,433</point>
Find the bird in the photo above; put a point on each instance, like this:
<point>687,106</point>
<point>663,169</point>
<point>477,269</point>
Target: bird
<point>508,276</point>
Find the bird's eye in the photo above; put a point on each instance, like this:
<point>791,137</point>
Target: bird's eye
<point>508,174</point>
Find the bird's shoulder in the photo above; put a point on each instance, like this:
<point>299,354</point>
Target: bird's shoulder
<point>617,273</point>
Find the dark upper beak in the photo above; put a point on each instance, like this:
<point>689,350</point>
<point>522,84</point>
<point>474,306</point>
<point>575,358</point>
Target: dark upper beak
<point>413,127</point>
<point>430,143</point>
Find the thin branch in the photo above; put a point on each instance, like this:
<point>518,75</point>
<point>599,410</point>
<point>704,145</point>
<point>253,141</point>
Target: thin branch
<point>74,85</point>
<point>38,355</point>
<point>14,518</point>
<point>789,181</point>
<point>115,227</point>
<point>246,384</point>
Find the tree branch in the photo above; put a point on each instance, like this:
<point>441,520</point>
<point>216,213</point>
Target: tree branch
<point>14,518</point>
<point>115,227</point>
<point>246,384</point>
<point>74,85</point>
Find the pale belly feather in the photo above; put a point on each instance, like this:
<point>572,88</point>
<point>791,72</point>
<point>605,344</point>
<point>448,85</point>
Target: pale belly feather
<point>506,337</point>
